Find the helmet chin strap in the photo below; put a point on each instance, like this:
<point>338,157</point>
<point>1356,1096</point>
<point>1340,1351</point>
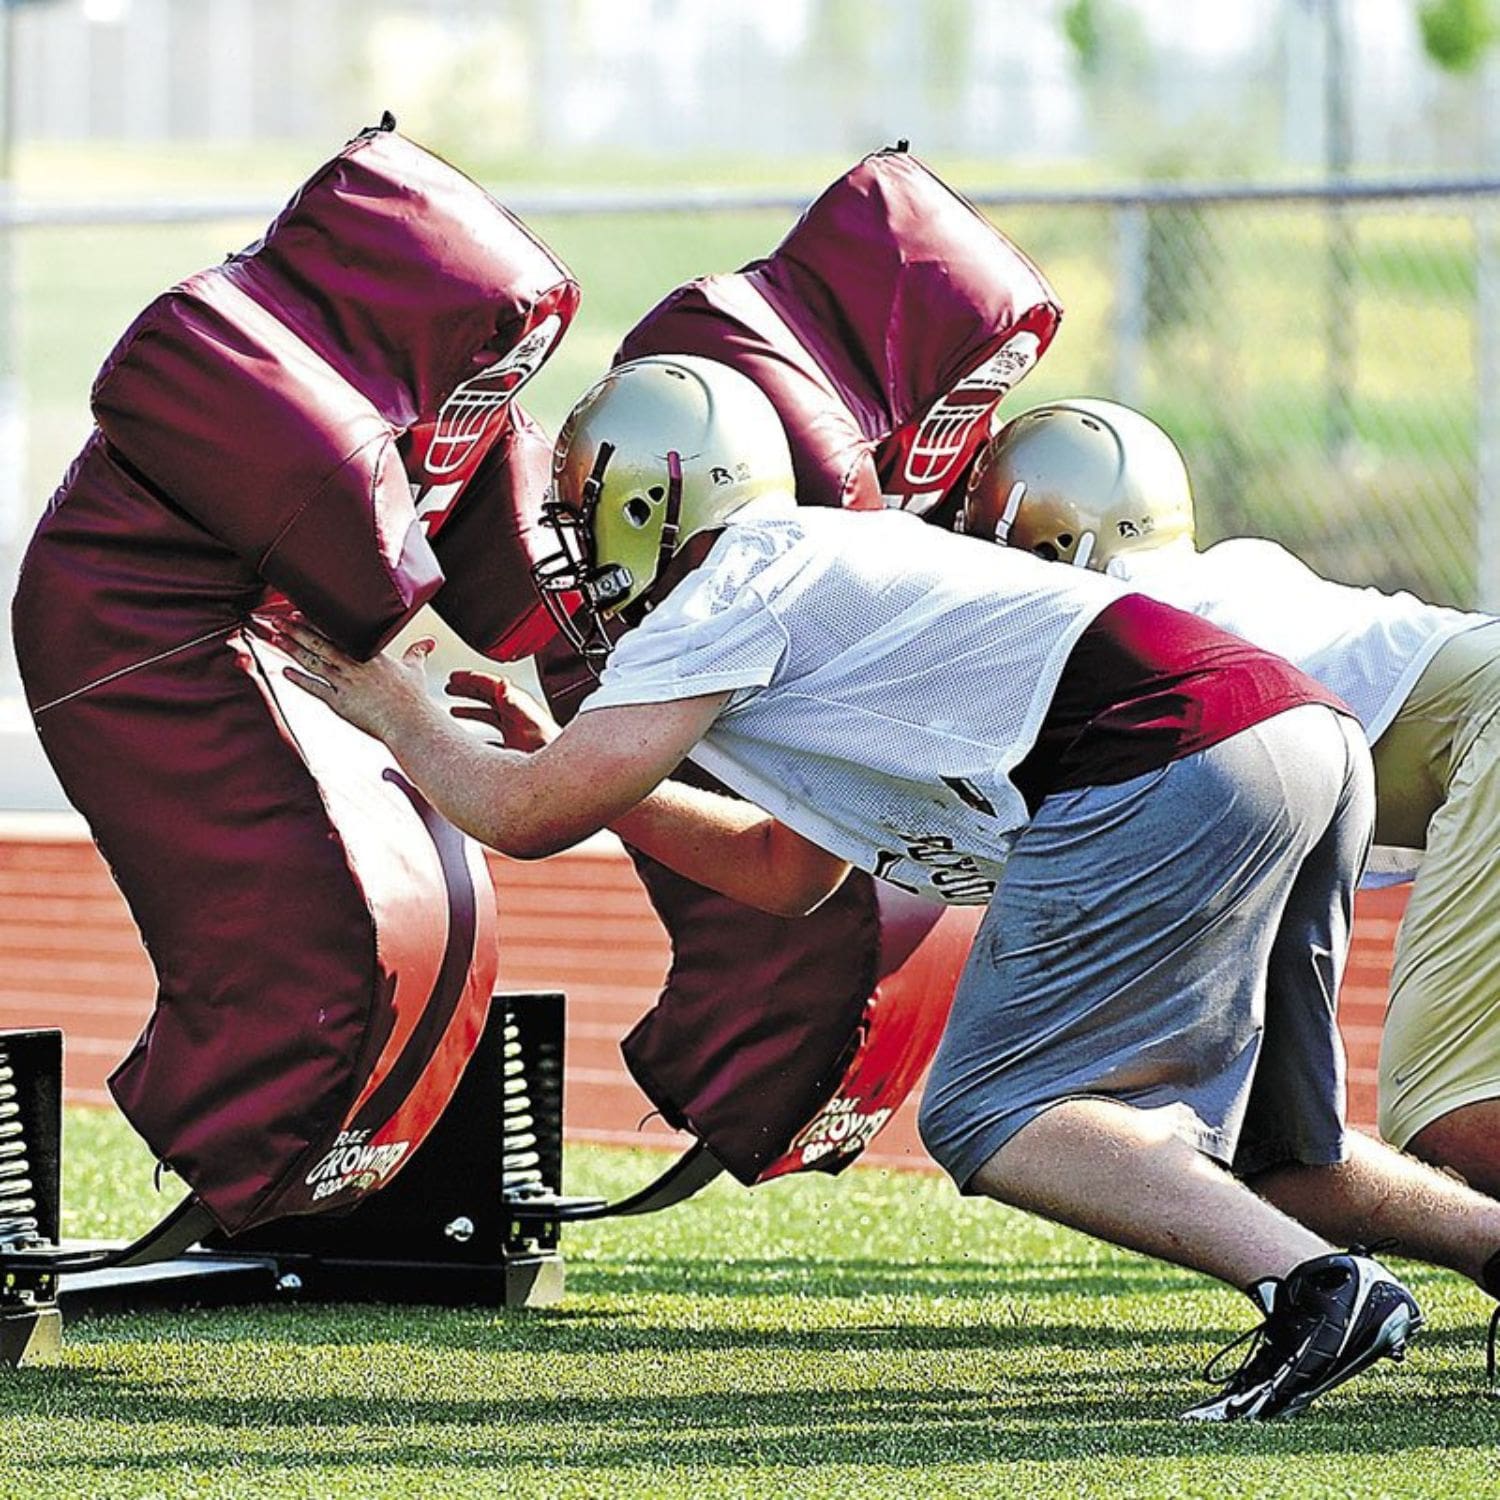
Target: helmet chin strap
<point>672,520</point>
<point>1008,515</point>
<point>595,482</point>
<point>1085,550</point>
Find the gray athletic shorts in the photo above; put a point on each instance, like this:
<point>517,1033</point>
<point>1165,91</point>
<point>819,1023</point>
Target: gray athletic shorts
<point>1174,942</point>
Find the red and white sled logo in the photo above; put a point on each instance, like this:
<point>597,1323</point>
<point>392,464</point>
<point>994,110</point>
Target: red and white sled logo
<point>467,413</point>
<point>943,438</point>
<point>841,1128</point>
<point>355,1165</point>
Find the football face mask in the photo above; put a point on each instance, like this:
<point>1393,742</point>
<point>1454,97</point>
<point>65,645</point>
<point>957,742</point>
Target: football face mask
<point>661,450</point>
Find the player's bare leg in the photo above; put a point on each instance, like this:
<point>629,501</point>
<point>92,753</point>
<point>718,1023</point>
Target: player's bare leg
<point>1466,1139</point>
<point>1123,1175</point>
<point>1380,1194</point>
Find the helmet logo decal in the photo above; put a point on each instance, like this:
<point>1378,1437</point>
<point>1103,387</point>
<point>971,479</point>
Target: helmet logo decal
<point>466,415</point>
<point>943,436</point>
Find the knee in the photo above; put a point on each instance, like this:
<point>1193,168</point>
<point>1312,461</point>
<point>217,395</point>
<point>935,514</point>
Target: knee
<point>1466,1140</point>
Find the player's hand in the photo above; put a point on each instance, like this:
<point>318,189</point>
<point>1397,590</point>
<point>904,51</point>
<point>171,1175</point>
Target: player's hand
<point>378,696</point>
<point>522,723</point>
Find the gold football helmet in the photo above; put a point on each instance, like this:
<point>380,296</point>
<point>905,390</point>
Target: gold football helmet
<point>657,452</point>
<point>1080,481</point>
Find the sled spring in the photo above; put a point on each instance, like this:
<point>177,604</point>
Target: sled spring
<point>19,1226</point>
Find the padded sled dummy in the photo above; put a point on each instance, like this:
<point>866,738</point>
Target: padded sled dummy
<point>324,419</point>
<point>885,328</point>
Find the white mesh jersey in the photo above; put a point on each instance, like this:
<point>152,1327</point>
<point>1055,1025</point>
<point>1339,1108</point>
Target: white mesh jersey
<point>886,677</point>
<point>1367,646</point>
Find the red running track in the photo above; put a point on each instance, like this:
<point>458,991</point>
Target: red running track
<point>579,923</point>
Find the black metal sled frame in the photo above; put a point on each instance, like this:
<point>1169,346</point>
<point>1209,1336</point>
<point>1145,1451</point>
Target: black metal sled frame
<point>474,1219</point>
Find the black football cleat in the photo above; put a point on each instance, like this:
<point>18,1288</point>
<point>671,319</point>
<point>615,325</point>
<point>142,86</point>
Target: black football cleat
<point>1329,1319</point>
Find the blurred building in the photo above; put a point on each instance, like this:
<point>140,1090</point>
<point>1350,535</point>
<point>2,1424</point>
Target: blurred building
<point>1237,87</point>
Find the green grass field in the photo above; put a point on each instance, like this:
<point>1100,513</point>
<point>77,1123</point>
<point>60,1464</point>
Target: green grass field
<point>869,1336</point>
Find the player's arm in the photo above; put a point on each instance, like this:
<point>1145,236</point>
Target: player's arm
<point>721,842</point>
<point>732,847</point>
<point>545,789</point>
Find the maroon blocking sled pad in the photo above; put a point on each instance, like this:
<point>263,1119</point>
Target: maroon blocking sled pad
<point>886,328</point>
<point>325,420</point>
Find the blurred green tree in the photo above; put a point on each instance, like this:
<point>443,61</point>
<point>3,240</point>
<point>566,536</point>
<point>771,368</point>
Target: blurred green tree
<point>1457,33</point>
<point>947,52</point>
<point>1109,44</point>
<point>1081,25</point>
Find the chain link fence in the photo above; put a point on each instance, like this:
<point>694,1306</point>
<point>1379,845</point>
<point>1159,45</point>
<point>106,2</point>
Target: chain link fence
<point>1329,362</point>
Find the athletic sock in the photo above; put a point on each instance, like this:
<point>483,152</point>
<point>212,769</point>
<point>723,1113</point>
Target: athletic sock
<point>1490,1276</point>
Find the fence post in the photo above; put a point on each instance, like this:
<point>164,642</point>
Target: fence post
<point>1131,272</point>
<point>1487,414</point>
<point>1339,291</point>
<point>12,430</point>
<point>1486,220</point>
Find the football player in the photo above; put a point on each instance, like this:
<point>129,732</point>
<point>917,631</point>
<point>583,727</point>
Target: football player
<point>1179,818</point>
<point>1101,486</point>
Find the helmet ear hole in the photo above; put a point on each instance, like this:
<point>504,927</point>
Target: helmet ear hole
<point>1065,539</point>
<point>656,492</point>
<point>637,511</point>
<point>1046,550</point>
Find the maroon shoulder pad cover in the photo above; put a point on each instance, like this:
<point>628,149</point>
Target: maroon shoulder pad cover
<point>301,424</point>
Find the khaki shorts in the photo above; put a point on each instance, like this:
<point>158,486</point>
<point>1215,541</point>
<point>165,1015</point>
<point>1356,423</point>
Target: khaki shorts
<point>1438,767</point>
